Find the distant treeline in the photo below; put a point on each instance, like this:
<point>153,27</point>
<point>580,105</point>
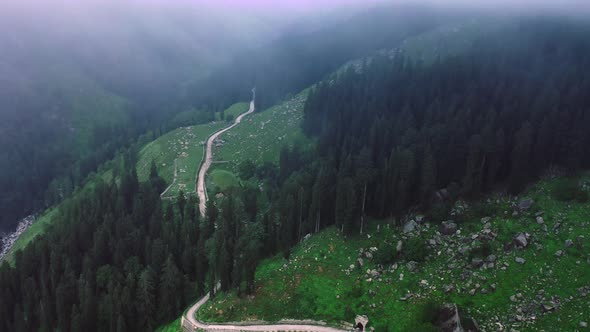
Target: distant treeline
<point>298,60</point>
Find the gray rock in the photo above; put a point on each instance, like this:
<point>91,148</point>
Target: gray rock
<point>548,307</point>
<point>540,220</point>
<point>449,288</point>
<point>448,227</point>
<point>583,324</point>
<point>520,260</point>
<point>419,218</point>
<point>360,262</point>
<point>485,220</point>
<point>472,292</point>
<point>525,204</point>
<point>476,262</point>
<point>411,266</point>
<point>559,253</point>
<point>491,259</point>
<point>368,255</point>
<point>410,226</point>
<point>569,243</point>
<point>432,242</point>
<point>399,246</point>
<point>521,240</point>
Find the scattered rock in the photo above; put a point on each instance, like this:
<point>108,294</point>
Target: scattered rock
<point>559,253</point>
<point>410,226</point>
<point>419,218</point>
<point>449,288</point>
<point>472,292</point>
<point>476,262</point>
<point>360,263</point>
<point>583,324</point>
<point>521,240</point>
<point>569,243</point>
<point>548,307</point>
<point>411,266</point>
<point>399,246</point>
<point>540,220</point>
<point>491,259</point>
<point>448,228</point>
<point>520,260</point>
<point>525,204</point>
<point>485,220</point>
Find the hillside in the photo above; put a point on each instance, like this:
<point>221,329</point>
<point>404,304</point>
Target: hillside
<point>333,277</point>
<point>259,139</point>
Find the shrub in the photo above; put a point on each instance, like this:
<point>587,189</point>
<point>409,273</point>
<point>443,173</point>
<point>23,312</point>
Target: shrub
<point>567,190</point>
<point>415,250</point>
<point>386,254</point>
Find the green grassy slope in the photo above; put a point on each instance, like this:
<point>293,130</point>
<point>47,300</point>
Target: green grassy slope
<point>234,110</point>
<point>185,145</point>
<point>259,137</point>
<point>317,282</point>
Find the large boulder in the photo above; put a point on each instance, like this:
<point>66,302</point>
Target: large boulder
<point>448,227</point>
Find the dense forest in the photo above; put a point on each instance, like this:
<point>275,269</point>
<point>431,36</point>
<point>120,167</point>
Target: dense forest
<point>121,260</point>
<point>397,133</point>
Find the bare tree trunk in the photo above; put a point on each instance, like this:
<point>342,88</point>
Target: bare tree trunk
<point>363,209</point>
<point>300,211</point>
<point>317,221</point>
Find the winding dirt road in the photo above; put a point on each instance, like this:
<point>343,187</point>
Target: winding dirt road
<point>201,188</point>
<point>190,323</point>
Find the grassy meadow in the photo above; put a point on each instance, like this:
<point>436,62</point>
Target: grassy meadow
<point>318,281</point>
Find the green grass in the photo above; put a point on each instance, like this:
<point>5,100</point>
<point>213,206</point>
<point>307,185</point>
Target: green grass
<point>234,110</point>
<point>315,284</point>
<point>184,145</point>
<point>172,327</point>
<point>260,137</point>
<point>220,180</point>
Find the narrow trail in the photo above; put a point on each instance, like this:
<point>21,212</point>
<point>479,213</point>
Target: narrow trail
<point>190,323</point>
<point>201,188</point>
